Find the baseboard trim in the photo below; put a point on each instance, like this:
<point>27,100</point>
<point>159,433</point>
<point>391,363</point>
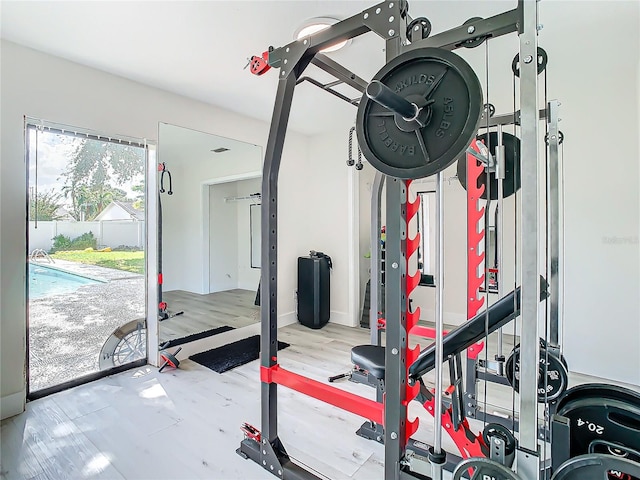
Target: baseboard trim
<point>341,318</point>
<point>13,404</point>
<point>251,286</point>
<point>287,319</point>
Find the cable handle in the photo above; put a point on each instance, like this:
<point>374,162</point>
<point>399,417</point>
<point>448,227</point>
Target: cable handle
<point>350,161</point>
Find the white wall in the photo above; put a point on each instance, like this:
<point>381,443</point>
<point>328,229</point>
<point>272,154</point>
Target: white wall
<point>602,204</point>
<point>223,238</point>
<point>365,180</point>
<point>248,278</point>
<point>43,86</point>
<point>601,176</point>
<point>320,213</point>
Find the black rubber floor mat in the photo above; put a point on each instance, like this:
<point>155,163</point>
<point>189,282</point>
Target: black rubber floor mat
<point>196,336</point>
<point>232,355</point>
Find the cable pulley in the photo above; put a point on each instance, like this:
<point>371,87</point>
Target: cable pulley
<point>483,468</point>
<point>475,41</point>
<point>542,62</point>
<point>492,430</point>
<point>488,108</point>
<point>560,138</point>
<point>419,113</point>
<point>511,181</point>
<point>418,29</point>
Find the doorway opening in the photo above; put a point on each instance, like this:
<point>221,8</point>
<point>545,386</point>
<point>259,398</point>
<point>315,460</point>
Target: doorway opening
<point>86,262</point>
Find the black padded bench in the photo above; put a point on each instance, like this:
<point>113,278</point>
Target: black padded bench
<point>371,357</point>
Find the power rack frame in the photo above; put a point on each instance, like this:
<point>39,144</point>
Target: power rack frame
<point>389,20</point>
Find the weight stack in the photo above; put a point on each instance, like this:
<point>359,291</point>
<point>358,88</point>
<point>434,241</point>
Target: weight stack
<point>313,291</point>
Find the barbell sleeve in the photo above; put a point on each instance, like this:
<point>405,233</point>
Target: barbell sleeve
<point>383,95</point>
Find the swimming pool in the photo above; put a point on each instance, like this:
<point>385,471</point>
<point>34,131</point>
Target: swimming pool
<point>46,281</point>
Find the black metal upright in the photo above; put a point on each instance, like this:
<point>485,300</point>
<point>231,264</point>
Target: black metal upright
<point>269,263</point>
<point>292,61</point>
<point>395,413</point>
<point>388,20</point>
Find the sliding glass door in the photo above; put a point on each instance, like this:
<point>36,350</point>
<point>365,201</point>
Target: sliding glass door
<point>86,244</point>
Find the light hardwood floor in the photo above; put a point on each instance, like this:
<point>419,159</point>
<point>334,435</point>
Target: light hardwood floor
<point>234,308</point>
<point>185,424</point>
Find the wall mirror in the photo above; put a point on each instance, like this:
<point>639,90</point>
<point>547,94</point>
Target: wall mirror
<point>256,235</point>
<point>426,228</point>
<point>209,233</point>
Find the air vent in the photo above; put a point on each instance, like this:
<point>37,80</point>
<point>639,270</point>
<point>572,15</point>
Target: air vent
<point>220,150</point>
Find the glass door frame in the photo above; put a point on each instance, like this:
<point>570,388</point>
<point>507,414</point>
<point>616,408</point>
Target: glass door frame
<point>150,245</point>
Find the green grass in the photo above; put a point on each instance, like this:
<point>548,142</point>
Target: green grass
<point>128,261</point>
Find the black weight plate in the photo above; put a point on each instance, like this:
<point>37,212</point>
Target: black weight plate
<point>597,467</point>
<point>594,419</point>
<point>511,182</point>
<point>564,362</point>
<point>450,122</point>
<point>483,468</point>
<point>598,390</point>
<point>556,373</point>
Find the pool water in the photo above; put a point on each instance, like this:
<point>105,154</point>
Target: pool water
<point>46,281</point>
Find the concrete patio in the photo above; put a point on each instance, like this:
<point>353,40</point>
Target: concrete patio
<point>67,331</point>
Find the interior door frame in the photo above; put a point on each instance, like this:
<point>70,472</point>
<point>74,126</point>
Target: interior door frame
<point>205,194</point>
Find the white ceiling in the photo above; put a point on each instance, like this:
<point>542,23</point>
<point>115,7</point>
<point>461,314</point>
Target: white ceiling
<point>199,48</point>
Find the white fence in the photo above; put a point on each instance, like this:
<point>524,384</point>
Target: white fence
<point>108,233</point>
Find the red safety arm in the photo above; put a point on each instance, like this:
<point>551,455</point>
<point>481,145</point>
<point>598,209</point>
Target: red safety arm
<point>369,409</point>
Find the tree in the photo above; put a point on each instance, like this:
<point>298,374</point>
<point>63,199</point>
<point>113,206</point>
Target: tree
<point>95,170</point>
<point>45,206</point>
<point>138,202</point>
<point>90,202</point>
